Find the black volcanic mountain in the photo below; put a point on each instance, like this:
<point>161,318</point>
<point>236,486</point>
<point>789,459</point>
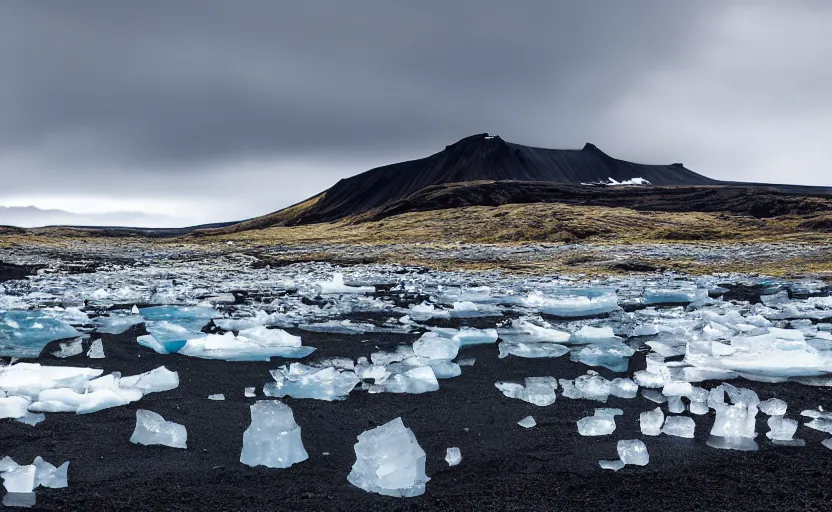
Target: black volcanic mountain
<point>482,157</point>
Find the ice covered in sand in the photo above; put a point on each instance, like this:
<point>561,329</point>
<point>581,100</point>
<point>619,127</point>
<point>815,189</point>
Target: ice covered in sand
<point>301,381</point>
<point>539,391</point>
<point>254,344</point>
<point>453,456</point>
<point>273,439</point>
<point>152,429</point>
<point>389,461</point>
<point>633,452</point>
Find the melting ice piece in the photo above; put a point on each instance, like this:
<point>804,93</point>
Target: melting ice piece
<point>466,361</point>
<point>527,422</point>
<point>96,350</point>
<point>13,407</point>
<point>614,465</point>
<point>539,391</point>
<point>679,296</point>
<point>152,429</point>
<point>415,381</point>
<point>219,397</point>
<point>250,392</point>
<point>827,443</point>
<point>155,381</point>
<point>255,344</point>
<point>736,420</point>
<point>32,418</point>
<point>821,421</point>
<point>337,286</point>
<point>20,479</point>
<point>773,407</point>
<point>613,356</point>
<point>301,381</point>
<point>389,461</point>
<point>677,389</point>
<point>572,306</point>
<point>273,439</point>
<point>679,426</point>
<point>646,379</point>
<point>453,456</point>
<point>531,350</point>
<point>601,424</point>
<point>675,405</point>
<point>468,336</point>
<point>593,386</point>
<point>435,346</point>
<point>20,499</point>
<point>651,422</point>
<point>633,452</point>
<point>69,349</point>
<point>623,388</point>
<point>781,429</point>
<point>47,475</point>
<point>117,324</point>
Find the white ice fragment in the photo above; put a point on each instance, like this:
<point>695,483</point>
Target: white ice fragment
<point>734,421</point>
<point>69,349</point>
<point>781,429</point>
<point>651,422</point>
<point>646,379</point>
<point>7,464</point>
<point>135,310</point>
<point>20,479</point>
<point>250,392</point>
<point>633,452</point>
<point>337,286</point>
<point>155,381</point>
<point>32,418</point>
<point>96,350</point>
<point>623,387</point>
<point>152,429</point>
<point>531,350</point>
<point>273,439</point>
<point>597,425</point>
<point>389,461</point>
<point>219,397</point>
<point>677,389</point>
<point>47,475</point>
<point>572,306</point>
<point>433,346</point>
<point>415,381</point>
<point>301,381</point>
<point>150,342</point>
<point>827,443</point>
<point>466,361</point>
<point>527,422</point>
<point>453,456</point>
<point>679,426</point>
<point>539,391</point>
<point>675,405</point>
<point>613,465</point>
<point>773,407</point>
<point>13,407</point>
<point>593,386</point>
<point>255,344</point>
<point>654,396</point>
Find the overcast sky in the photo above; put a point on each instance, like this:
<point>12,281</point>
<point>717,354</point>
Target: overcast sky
<point>220,110</point>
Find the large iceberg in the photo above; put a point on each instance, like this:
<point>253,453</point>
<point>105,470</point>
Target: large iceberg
<point>273,439</point>
<point>389,461</point>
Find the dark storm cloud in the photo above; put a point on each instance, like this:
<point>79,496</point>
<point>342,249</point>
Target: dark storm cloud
<point>149,83</point>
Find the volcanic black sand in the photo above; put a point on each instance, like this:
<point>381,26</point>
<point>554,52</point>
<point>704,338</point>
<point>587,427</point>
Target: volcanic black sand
<point>504,466</point>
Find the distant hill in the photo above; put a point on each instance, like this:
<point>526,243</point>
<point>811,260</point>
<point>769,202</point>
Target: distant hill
<point>31,216</point>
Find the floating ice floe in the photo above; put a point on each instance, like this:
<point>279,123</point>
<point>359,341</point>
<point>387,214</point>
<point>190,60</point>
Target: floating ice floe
<point>389,461</point>
<point>26,333</point>
<point>152,429</point>
<point>539,391</point>
<point>273,439</point>
<point>301,381</point>
<point>255,344</point>
<point>591,386</point>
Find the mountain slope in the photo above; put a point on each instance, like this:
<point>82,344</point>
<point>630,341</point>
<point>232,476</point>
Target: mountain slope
<point>482,157</point>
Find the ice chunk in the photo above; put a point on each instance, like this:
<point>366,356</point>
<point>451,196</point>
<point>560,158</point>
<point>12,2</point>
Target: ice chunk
<point>7,464</point>
<point>20,479</point>
<point>13,407</point>
<point>468,336</point>
<point>614,465</point>
<point>623,388</point>
<point>150,342</point>
<point>135,309</point>
<point>646,379</point>
<point>773,407</point>
<point>781,429</point>
<point>539,391</point>
<point>654,396</point>
<point>593,386</point>
<point>219,397</point>
<point>572,306</point>
<point>528,332</point>
<point>434,346</point>
<point>734,427</point>
<point>47,475</point>
<point>821,421</point>
<point>152,429</point>
<point>453,456</point>
<point>527,422</point>
<point>445,369</point>
<point>679,426</point>
<point>337,286</point>
<point>107,398</point>
<point>415,381</point>
<point>633,452</point>
<point>389,461</point>
<point>651,422</point>
<point>32,418</point>
<point>675,405</point>
<point>256,344</point>
<point>677,389</point>
<point>273,439</point>
<point>531,350</point>
<point>96,350</point>
<point>154,381</point>
<point>600,424</point>
<point>250,392</point>
<point>301,381</point>
<point>69,349</point>
<point>117,324</point>
<point>614,356</point>
<point>589,334</point>
<point>466,361</point>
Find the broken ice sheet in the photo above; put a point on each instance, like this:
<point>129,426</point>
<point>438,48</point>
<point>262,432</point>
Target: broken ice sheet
<point>152,429</point>
<point>389,461</point>
<point>301,381</point>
